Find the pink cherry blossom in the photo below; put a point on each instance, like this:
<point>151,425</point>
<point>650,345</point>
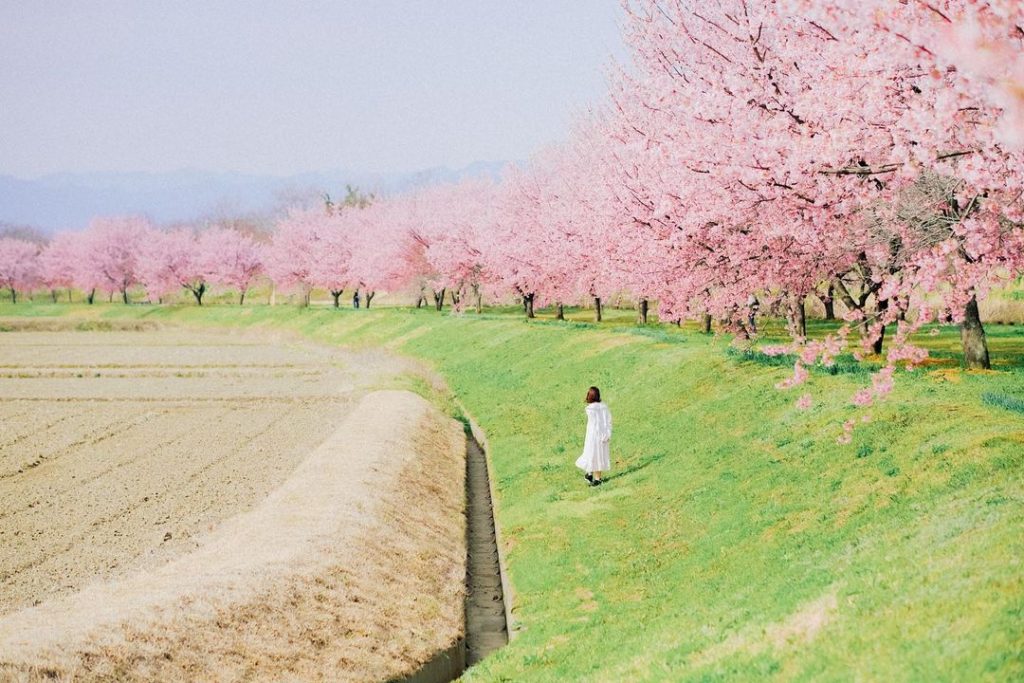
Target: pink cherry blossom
<point>19,266</point>
<point>60,262</point>
<point>236,261</point>
<point>110,254</point>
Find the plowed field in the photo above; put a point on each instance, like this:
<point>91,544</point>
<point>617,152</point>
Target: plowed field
<point>144,472</point>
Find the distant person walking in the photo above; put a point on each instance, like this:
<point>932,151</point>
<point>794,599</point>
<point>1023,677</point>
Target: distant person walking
<point>596,456</point>
<point>355,299</point>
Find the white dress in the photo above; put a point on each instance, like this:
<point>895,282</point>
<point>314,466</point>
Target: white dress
<point>596,452</point>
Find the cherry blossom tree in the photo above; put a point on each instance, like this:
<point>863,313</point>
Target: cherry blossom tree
<point>389,248</point>
<point>761,140</point>
<point>959,129</point>
<point>236,260</point>
<point>450,222</point>
<point>19,265</point>
<point>171,260</point>
<point>518,263</point>
<point>60,262</point>
<point>331,266</point>
<point>110,249</point>
<point>709,137</point>
<point>290,258</point>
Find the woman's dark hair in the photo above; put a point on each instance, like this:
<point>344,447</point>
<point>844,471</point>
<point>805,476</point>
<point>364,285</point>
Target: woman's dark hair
<point>593,395</point>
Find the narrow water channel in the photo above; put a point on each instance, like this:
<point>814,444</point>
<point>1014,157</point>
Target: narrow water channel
<point>486,629</point>
<point>486,626</point>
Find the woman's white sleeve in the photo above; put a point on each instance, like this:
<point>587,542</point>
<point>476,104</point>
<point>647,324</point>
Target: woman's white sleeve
<point>607,424</point>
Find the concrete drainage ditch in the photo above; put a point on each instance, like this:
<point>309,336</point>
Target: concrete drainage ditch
<point>486,585</point>
<point>486,627</point>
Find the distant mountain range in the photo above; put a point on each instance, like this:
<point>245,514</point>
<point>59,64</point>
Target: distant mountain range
<point>68,200</point>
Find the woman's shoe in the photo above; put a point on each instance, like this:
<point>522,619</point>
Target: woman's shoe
<point>595,482</point>
<point>589,477</point>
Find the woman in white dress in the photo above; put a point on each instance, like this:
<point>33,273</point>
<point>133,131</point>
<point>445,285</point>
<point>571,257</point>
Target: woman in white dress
<point>596,456</point>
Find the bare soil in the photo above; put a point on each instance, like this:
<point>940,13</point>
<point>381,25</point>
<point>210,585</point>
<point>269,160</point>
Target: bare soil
<point>201,506</point>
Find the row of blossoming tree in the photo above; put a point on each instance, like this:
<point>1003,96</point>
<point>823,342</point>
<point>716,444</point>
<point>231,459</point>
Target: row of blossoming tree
<point>751,155</point>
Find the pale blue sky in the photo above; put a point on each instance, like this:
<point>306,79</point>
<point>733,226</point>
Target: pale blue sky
<point>284,87</point>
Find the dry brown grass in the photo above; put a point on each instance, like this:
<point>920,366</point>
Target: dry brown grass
<point>72,325</point>
<point>1002,310</point>
<point>799,628</point>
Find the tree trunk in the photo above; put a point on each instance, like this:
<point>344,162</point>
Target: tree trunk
<point>706,328</point>
<point>972,336</point>
<point>198,292</point>
<point>69,295</point>
<point>91,296</point>
<point>455,298</point>
<point>798,317</point>
<point>642,318</point>
<point>14,295</point>
<point>876,346</point>
<point>597,309</point>
<point>336,295</point>
<point>830,303</point>
<point>53,295</point>
<point>479,302</point>
<point>241,298</point>
<point>421,300</point>
<point>439,299</point>
<point>124,294</point>
<point>879,343</point>
<point>528,305</point>
<point>559,312</point>
<point>369,297</point>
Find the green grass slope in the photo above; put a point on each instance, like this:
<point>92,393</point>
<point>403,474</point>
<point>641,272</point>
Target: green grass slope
<point>735,538</point>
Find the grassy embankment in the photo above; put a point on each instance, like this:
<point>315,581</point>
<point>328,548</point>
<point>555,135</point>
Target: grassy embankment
<point>735,538</point>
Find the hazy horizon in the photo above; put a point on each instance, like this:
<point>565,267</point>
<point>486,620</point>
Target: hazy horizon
<point>63,201</point>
